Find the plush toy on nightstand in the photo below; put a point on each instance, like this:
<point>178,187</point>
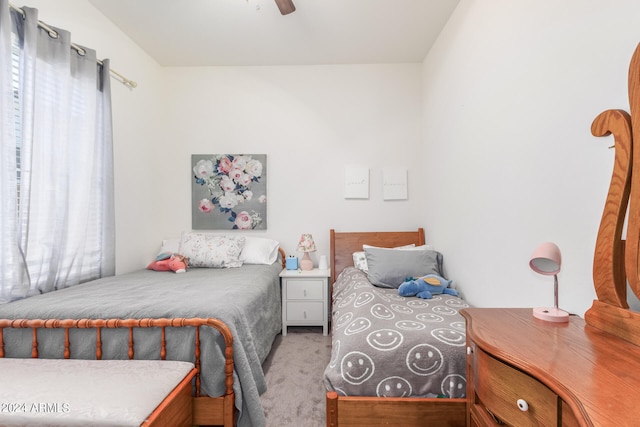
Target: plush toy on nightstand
<point>425,287</point>
<point>169,262</point>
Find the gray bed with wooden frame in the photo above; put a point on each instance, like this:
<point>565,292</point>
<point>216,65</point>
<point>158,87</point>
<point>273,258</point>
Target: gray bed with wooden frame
<point>242,311</point>
<point>351,410</point>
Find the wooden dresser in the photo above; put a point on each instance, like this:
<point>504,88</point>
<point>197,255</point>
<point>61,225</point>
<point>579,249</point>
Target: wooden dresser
<point>522,371</point>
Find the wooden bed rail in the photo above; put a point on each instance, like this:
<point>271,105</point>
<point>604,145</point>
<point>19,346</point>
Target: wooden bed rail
<point>130,324</point>
<point>283,257</point>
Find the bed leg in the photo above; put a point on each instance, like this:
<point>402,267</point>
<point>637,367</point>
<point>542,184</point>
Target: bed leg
<point>332,409</point>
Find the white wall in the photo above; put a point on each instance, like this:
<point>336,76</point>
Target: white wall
<point>311,121</point>
<point>510,91</point>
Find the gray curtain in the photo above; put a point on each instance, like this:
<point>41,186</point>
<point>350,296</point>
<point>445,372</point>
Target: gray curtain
<point>57,211</point>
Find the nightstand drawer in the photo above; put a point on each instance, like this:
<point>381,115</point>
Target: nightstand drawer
<point>304,289</point>
<point>512,396</point>
<point>305,311</point>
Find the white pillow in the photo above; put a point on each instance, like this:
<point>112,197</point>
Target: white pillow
<point>209,250</point>
<point>360,260</point>
<point>412,245</point>
<point>259,250</point>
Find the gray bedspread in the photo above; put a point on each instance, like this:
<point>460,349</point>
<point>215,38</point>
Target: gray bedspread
<point>247,299</point>
<point>386,345</point>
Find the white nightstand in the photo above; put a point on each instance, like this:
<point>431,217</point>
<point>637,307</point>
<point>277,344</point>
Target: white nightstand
<point>305,298</point>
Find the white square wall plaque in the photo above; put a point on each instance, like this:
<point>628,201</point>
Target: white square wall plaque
<point>356,182</point>
<point>394,184</point>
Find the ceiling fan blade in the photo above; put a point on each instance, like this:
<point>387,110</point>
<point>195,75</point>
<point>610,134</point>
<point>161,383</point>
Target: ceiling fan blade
<point>285,6</point>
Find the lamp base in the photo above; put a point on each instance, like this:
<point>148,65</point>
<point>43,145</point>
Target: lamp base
<point>305,263</point>
<point>554,315</point>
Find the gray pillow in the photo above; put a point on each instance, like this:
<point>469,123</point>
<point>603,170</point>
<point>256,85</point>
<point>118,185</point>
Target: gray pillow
<point>389,267</point>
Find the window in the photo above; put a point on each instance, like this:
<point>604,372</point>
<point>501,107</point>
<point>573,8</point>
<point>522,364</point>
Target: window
<point>15,67</point>
<point>57,219</point>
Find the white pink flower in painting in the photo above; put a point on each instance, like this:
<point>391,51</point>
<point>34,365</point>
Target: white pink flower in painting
<point>205,205</point>
<point>228,179</point>
<point>245,221</point>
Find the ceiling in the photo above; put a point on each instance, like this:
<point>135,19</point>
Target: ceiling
<point>253,32</point>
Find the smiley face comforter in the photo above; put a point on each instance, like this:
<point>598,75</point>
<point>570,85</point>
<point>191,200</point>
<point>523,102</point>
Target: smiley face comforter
<point>386,345</point>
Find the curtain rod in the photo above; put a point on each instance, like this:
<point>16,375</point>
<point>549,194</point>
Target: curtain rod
<point>53,33</point>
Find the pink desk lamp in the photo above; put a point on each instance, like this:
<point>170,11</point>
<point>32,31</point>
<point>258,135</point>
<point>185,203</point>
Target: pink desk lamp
<point>546,259</point>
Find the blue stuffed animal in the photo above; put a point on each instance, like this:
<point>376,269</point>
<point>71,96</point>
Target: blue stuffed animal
<point>425,287</point>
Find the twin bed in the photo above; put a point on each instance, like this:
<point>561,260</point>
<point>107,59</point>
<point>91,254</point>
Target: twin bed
<point>395,360</point>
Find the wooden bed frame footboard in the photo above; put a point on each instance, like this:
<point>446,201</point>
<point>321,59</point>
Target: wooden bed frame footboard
<point>345,411</point>
<point>206,410</point>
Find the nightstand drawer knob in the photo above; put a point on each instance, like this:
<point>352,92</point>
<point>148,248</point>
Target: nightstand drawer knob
<point>523,405</point>
<point>469,350</point>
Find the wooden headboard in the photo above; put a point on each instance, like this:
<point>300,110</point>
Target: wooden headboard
<point>343,245</point>
<point>617,260</point>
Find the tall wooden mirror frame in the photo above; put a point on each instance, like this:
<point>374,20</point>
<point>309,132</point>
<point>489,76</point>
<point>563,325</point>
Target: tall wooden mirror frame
<point>617,260</point>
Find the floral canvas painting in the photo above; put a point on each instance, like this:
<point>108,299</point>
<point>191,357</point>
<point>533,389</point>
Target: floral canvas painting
<point>229,191</point>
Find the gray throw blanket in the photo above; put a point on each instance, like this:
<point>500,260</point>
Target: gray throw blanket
<point>386,345</point>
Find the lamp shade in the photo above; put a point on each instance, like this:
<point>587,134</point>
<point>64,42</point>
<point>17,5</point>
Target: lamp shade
<point>306,243</point>
<point>546,259</point>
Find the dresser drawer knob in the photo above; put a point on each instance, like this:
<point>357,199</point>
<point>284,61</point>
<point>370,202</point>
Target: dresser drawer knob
<point>523,405</point>
<point>469,350</point>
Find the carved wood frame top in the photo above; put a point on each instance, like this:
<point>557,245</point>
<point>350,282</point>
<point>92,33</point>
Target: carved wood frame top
<point>616,260</point>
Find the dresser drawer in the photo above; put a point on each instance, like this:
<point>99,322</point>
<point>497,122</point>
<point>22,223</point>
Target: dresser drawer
<point>479,417</point>
<point>304,311</point>
<point>304,289</point>
<point>502,389</point>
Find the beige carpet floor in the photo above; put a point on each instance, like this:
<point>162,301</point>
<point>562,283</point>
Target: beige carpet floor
<point>295,393</point>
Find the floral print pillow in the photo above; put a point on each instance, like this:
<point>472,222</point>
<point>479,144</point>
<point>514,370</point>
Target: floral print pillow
<point>209,250</point>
